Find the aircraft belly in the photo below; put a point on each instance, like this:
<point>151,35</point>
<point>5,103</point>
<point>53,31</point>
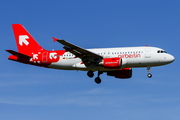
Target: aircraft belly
<point>143,62</point>
<point>134,62</point>
<point>66,64</point>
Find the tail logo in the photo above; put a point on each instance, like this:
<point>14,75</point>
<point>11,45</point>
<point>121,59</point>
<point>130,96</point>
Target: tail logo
<point>53,55</point>
<point>23,39</point>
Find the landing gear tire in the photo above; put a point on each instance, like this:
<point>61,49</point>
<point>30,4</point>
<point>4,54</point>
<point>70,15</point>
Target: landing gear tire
<point>97,80</point>
<point>149,75</point>
<point>90,74</point>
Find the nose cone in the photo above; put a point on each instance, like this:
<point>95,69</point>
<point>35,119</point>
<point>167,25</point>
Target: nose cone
<point>170,58</point>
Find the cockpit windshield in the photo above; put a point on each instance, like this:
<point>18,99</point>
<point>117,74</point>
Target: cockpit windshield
<point>161,51</point>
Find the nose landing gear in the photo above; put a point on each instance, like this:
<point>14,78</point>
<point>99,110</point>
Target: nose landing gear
<point>149,74</point>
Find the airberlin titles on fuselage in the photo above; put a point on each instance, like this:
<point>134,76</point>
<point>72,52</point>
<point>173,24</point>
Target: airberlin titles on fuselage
<point>130,55</point>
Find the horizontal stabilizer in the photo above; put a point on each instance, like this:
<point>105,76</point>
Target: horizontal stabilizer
<point>18,54</point>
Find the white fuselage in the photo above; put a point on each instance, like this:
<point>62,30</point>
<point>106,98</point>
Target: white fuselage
<point>133,57</point>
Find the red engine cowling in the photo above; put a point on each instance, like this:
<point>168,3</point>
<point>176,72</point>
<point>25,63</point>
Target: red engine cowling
<point>122,73</point>
<point>112,62</point>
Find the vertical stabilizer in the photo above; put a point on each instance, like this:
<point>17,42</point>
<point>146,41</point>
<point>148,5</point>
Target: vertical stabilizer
<point>26,44</point>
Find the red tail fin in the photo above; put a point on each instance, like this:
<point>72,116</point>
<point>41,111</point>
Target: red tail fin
<point>26,44</point>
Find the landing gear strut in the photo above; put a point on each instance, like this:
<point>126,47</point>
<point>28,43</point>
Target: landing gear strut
<point>98,79</point>
<point>149,74</point>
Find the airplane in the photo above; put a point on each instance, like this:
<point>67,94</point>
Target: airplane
<point>117,62</point>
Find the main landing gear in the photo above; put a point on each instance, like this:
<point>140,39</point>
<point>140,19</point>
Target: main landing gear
<point>90,73</point>
<point>149,74</point>
<point>97,79</point>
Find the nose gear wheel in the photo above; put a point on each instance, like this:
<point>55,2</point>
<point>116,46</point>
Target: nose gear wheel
<point>149,74</point>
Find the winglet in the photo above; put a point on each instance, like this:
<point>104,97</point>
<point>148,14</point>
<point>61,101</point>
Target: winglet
<point>54,39</point>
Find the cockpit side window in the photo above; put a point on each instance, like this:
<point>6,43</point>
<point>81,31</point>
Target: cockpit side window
<point>161,51</point>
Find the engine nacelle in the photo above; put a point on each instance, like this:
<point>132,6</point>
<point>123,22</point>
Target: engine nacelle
<point>122,73</point>
<point>112,62</point>
<point>115,62</point>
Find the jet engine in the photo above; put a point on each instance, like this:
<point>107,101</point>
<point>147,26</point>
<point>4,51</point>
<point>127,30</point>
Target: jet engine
<point>115,62</point>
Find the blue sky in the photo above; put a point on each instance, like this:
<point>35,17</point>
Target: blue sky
<point>34,93</point>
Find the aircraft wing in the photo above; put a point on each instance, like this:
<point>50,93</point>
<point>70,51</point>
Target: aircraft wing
<point>80,52</point>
